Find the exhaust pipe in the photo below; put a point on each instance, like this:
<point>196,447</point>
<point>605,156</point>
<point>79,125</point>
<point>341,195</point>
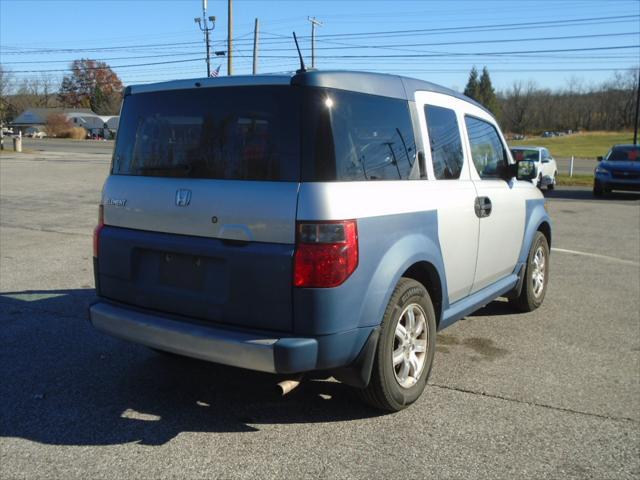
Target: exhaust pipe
<point>286,386</point>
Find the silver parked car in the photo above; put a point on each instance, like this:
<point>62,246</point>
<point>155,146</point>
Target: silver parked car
<point>313,221</point>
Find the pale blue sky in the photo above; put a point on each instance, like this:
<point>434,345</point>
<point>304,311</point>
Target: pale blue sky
<point>49,34</point>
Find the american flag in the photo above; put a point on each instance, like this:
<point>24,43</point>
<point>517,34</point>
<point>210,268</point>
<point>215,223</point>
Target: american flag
<point>216,72</point>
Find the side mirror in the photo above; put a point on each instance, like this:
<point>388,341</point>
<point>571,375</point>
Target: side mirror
<point>525,170</point>
<point>599,159</point>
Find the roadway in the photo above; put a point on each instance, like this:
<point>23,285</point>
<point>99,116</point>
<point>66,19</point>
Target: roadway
<point>550,394</point>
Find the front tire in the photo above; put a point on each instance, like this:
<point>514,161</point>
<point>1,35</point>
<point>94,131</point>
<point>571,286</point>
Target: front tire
<point>597,189</point>
<point>406,347</point>
<point>552,185</point>
<point>536,276</point>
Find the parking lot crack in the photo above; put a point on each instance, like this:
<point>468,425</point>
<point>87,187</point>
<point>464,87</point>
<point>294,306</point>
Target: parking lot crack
<point>534,404</point>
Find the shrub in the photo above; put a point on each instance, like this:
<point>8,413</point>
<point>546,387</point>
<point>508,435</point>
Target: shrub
<point>77,133</point>
<point>57,124</point>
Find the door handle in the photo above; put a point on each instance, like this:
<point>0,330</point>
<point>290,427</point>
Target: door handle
<point>482,207</point>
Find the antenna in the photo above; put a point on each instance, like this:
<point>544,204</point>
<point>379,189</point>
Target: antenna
<point>302,67</point>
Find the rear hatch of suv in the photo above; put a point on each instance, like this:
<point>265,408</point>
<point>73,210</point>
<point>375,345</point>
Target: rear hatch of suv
<point>200,206</point>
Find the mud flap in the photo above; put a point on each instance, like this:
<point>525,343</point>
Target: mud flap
<point>358,373</point>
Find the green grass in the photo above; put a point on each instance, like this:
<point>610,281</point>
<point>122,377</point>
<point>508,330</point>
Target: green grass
<point>575,181</point>
<point>579,145</point>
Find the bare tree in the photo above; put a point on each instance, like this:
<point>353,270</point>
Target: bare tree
<point>6,83</point>
<point>517,108</point>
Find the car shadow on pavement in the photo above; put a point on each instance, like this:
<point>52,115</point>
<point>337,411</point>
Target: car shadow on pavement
<point>495,308</point>
<point>64,383</point>
<point>587,194</point>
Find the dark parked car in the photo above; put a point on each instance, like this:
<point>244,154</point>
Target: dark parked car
<point>618,170</point>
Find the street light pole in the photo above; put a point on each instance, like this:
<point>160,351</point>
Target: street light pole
<point>635,123</point>
<point>204,27</point>
<point>255,47</point>
<point>230,37</point>
<point>314,22</point>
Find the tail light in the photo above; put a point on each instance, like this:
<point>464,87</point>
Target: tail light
<point>97,230</point>
<point>326,253</point>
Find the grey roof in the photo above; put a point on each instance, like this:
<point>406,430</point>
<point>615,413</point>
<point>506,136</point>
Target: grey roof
<point>383,84</point>
<point>37,116</point>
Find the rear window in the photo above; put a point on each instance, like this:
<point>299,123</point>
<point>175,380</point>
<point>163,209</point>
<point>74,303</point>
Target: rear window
<point>235,133</point>
<point>277,133</point>
<point>351,136</point>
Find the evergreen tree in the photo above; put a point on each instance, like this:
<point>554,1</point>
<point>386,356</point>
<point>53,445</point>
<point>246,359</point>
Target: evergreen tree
<point>472,89</point>
<point>487,94</point>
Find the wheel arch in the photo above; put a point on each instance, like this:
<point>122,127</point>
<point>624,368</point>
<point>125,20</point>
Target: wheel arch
<point>545,229</point>
<point>427,274</point>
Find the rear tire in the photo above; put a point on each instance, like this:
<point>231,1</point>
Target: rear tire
<point>405,350</point>
<point>536,276</point>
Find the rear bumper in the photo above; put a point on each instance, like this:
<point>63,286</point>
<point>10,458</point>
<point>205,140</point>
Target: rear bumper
<point>238,348</point>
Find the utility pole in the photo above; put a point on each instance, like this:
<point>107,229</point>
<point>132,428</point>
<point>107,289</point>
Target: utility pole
<point>229,40</point>
<point>635,123</point>
<point>314,22</point>
<point>204,27</point>
<point>255,47</point>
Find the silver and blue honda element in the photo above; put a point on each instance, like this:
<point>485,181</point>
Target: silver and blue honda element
<point>316,221</point>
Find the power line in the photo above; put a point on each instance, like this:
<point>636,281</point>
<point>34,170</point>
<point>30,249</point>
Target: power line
<point>72,50</point>
<point>114,66</point>
<point>466,54</point>
<point>506,26</point>
<point>287,38</point>
<point>104,59</point>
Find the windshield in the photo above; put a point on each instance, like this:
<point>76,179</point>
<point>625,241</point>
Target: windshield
<point>236,133</point>
<point>626,153</point>
<point>525,154</point>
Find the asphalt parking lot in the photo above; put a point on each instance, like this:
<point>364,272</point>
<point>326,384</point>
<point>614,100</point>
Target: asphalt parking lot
<point>550,394</point>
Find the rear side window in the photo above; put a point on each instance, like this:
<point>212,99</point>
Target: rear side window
<point>235,133</point>
<point>487,151</point>
<point>351,136</point>
<point>446,146</point>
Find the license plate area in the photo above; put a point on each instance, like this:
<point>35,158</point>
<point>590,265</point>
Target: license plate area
<point>182,271</point>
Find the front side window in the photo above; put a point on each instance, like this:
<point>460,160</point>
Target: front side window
<point>446,146</point>
<point>545,154</point>
<point>487,151</point>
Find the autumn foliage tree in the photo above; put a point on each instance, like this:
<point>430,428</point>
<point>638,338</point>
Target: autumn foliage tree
<point>92,84</point>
